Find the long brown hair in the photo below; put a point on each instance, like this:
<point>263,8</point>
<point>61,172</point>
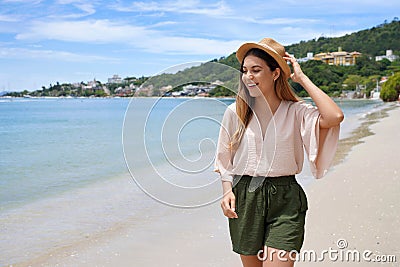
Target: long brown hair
<point>245,102</point>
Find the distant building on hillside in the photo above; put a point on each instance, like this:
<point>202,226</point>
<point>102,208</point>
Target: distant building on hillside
<point>115,79</point>
<point>91,85</point>
<point>339,58</point>
<point>309,56</point>
<point>389,55</point>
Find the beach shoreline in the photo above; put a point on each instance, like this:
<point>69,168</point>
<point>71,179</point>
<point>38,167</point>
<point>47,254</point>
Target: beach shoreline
<point>186,237</point>
<point>356,135</point>
<point>356,204</point>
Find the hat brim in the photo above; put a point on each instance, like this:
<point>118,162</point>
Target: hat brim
<point>244,48</point>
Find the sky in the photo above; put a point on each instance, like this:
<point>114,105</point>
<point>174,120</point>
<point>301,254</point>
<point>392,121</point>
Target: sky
<point>43,42</point>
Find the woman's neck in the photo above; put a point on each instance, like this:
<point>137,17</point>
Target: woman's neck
<point>263,104</point>
<point>264,109</point>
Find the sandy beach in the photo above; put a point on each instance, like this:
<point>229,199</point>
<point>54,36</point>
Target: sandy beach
<point>356,202</point>
<point>167,237</point>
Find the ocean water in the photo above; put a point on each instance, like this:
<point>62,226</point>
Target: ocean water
<point>53,145</point>
<point>64,163</point>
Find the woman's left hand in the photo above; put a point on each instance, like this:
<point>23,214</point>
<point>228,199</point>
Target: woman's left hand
<point>297,74</point>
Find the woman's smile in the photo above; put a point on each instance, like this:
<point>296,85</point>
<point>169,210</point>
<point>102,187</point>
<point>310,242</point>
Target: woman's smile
<point>252,85</point>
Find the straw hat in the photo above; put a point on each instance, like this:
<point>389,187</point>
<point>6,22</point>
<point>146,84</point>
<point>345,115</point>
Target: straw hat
<point>272,47</point>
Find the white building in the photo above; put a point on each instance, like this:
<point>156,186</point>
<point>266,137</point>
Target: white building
<point>389,55</point>
<point>309,56</point>
<point>115,79</point>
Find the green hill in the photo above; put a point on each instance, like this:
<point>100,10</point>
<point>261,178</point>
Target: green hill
<point>371,42</point>
<point>334,79</point>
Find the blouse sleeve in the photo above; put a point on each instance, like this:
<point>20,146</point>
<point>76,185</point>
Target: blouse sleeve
<point>309,128</point>
<point>224,157</point>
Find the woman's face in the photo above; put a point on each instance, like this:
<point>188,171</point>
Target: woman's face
<point>258,77</point>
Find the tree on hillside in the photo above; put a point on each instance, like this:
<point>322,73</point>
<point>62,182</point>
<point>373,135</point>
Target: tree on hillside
<point>353,81</point>
<point>391,88</point>
<point>221,91</point>
<point>231,60</point>
<point>372,42</point>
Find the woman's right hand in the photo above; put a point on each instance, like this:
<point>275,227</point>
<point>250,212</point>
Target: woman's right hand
<point>228,205</point>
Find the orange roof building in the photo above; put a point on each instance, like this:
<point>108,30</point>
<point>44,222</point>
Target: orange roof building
<point>339,58</point>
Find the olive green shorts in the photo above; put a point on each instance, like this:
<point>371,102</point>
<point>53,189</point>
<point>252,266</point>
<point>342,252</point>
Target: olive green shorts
<point>271,215</point>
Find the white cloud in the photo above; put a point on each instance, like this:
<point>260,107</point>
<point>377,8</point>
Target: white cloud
<point>146,39</point>
<point>272,21</point>
<point>161,24</point>
<point>189,46</point>
<point>87,7</point>
<point>338,33</point>
<point>23,1</point>
<point>290,35</point>
<point>180,6</point>
<point>283,21</point>
<point>8,18</point>
<point>306,8</point>
<point>67,2</point>
<point>23,53</point>
<point>101,31</point>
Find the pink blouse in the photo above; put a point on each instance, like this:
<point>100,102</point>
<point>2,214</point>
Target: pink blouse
<point>293,126</point>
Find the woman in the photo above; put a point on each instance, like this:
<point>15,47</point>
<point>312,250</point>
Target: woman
<point>260,149</point>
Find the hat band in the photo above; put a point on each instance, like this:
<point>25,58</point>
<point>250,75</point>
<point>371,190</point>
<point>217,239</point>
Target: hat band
<point>268,47</point>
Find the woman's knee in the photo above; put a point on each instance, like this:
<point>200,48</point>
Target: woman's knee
<point>251,261</point>
<point>273,257</point>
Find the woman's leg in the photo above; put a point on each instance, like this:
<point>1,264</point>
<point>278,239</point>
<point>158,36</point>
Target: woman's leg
<point>273,258</point>
<point>277,258</point>
<point>251,261</point>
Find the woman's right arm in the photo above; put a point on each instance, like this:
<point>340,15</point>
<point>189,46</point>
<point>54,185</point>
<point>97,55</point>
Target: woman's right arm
<point>223,162</point>
<point>228,204</point>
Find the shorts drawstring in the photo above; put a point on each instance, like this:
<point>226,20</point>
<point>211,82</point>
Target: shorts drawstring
<point>271,190</point>
<point>263,183</point>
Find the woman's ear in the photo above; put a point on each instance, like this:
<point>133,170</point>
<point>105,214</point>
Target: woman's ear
<point>277,73</point>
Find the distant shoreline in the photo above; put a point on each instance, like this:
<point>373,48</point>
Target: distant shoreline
<point>346,144</point>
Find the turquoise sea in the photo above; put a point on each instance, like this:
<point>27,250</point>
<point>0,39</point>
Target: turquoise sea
<point>63,172</point>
